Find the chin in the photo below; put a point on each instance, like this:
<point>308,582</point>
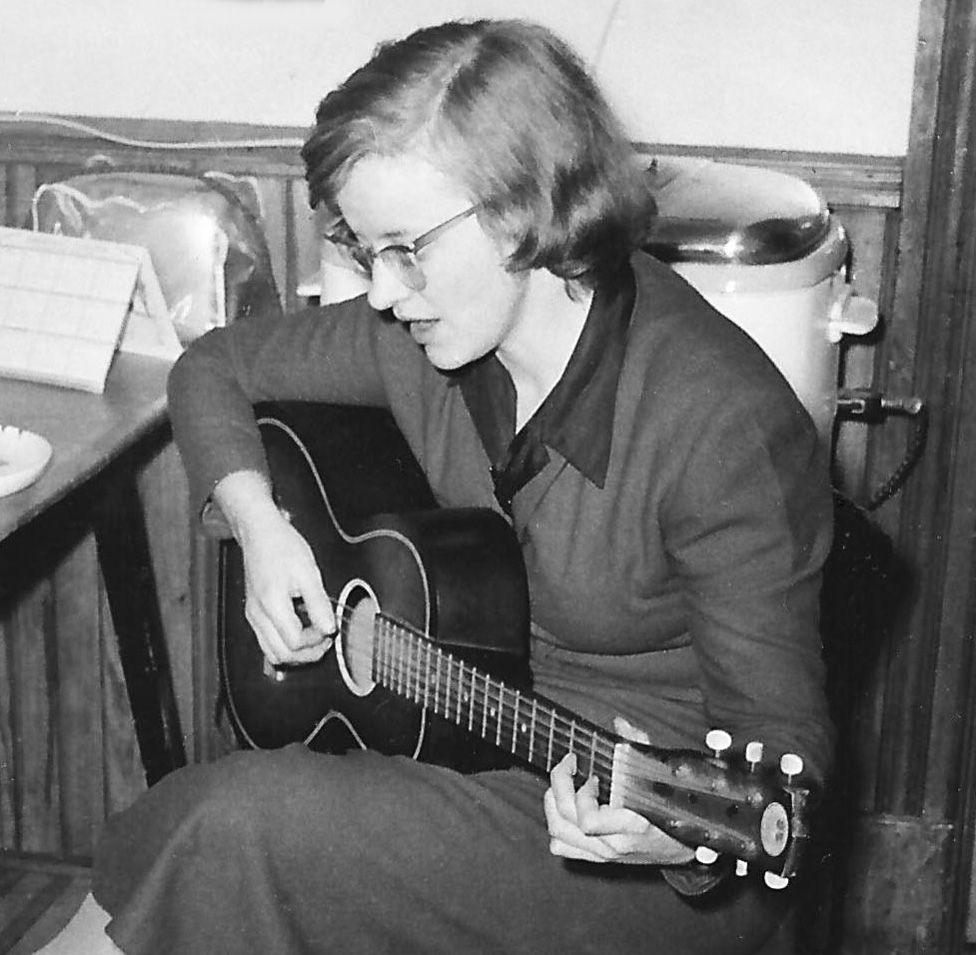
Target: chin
<point>445,360</point>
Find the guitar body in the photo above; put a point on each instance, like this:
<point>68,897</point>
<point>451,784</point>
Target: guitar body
<point>431,656</point>
<point>454,576</point>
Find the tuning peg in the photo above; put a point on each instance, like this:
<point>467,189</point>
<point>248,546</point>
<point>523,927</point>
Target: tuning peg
<point>741,867</point>
<point>754,754</point>
<point>775,881</point>
<point>705,855</point>
<point>790,765</point>
<point>718,741</point>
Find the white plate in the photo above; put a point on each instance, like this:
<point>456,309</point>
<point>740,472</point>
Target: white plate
<point>23,456</point>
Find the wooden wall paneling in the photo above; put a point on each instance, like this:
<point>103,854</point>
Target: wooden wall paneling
<point>78,687</point>
<point>935,338</point>
<point>890,907</point>
<point>952,783</point>
<point>209,739</point>
<point>925,760</point>
<point>895,367</point>
<point>35,791</point>
<point>883,598</point>
<point>123,776</point>
<point>163,494</point>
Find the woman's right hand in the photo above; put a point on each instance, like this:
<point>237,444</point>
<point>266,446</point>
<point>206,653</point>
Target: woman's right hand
<point>279,569</point>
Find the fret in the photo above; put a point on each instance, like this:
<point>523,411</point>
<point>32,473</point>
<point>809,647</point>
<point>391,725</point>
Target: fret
<point>471,702</point>
<point>552,726</point>
<point>384,657</point>
<point>592,751</point>
<point>572,736</point>
<point>416,648</point>
<point>498,714</point>
<point>403,663</point>
<point>426,675</point>
<point>447,686</point>
<point>376,660</point>
<point>460,692</point>
<point>446,706</point>
<point>438,657</point>
<point>535,707</point>
<point>484,711</point>
<point>375,656</point>
<point>446,711</point>
<point>515,720</point>
<point>394,662</point>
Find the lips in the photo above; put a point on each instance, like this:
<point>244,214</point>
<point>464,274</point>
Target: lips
<point>420,328</point>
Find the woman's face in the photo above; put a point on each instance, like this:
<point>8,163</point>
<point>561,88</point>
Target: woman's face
<point>470,304</point>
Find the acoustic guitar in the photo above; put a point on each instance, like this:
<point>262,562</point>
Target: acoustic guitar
<point>430,661</point>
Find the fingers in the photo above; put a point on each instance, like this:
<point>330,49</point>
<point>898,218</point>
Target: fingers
<point>318,607</point>
<point>286,605</point>
<point>281,636</point>
<point>581,828</point>
<point>562,804</point>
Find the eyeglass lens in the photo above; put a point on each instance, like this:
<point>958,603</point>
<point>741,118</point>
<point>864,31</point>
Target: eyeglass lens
<point>399,259</point>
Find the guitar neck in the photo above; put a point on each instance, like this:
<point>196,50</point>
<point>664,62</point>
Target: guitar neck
<point>524,724</point>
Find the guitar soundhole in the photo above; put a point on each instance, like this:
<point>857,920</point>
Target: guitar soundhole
<point>358,608</point>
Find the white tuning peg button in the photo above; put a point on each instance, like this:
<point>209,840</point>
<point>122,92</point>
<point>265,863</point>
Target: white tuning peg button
<point>705,855</point>
<point>791,765</point>
<point>741,867</point>
<point>775,881</point>
<point>718,741</point>
<point>754,754</point>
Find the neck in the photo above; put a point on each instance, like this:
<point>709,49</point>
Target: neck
<point>538,349</point>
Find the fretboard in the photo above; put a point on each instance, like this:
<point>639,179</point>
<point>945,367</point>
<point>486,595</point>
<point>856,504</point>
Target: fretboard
<point>527,725</point>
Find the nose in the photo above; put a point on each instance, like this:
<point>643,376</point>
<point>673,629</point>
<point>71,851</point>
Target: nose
<point>385,287</point>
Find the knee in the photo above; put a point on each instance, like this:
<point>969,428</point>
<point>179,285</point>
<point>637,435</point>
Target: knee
<point>246,798</point>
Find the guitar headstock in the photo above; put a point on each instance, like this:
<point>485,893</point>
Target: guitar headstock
<point>720,804</point>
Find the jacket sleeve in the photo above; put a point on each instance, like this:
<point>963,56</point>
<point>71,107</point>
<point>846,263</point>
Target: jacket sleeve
<point>749,530</point>
<point>318,354</point>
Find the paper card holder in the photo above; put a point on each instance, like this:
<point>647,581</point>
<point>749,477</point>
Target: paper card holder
<point>68,303</point>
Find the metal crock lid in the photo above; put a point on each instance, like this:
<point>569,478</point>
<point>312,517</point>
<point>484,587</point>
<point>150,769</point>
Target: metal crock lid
<point>711,212</point>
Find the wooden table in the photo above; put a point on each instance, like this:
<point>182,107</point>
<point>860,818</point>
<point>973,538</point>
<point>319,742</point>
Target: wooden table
<point>91,436</point>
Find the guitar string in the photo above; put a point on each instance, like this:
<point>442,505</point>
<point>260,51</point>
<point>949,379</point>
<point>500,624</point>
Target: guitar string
<point>634,792</point>
<point>567,734</point>
<point>505,719</point>
<point>618,773</point>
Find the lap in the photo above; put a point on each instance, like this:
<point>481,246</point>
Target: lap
<point>296,852</point>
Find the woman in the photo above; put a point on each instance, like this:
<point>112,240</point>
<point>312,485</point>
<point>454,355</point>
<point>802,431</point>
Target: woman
<point>665,485</point>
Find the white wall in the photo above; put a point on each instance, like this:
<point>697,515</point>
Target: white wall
<point>833,76</point>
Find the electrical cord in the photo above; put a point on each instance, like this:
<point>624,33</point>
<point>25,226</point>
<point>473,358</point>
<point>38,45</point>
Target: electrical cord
<point>46,119</point>
<point>862,404</point>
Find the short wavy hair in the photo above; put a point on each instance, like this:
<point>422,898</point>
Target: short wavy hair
<point>508,110</point>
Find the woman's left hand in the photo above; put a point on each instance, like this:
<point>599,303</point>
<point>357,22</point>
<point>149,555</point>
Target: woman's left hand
<point>581,828</point>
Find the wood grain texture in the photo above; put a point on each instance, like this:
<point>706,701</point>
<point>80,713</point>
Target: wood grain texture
<point>81,809</point>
